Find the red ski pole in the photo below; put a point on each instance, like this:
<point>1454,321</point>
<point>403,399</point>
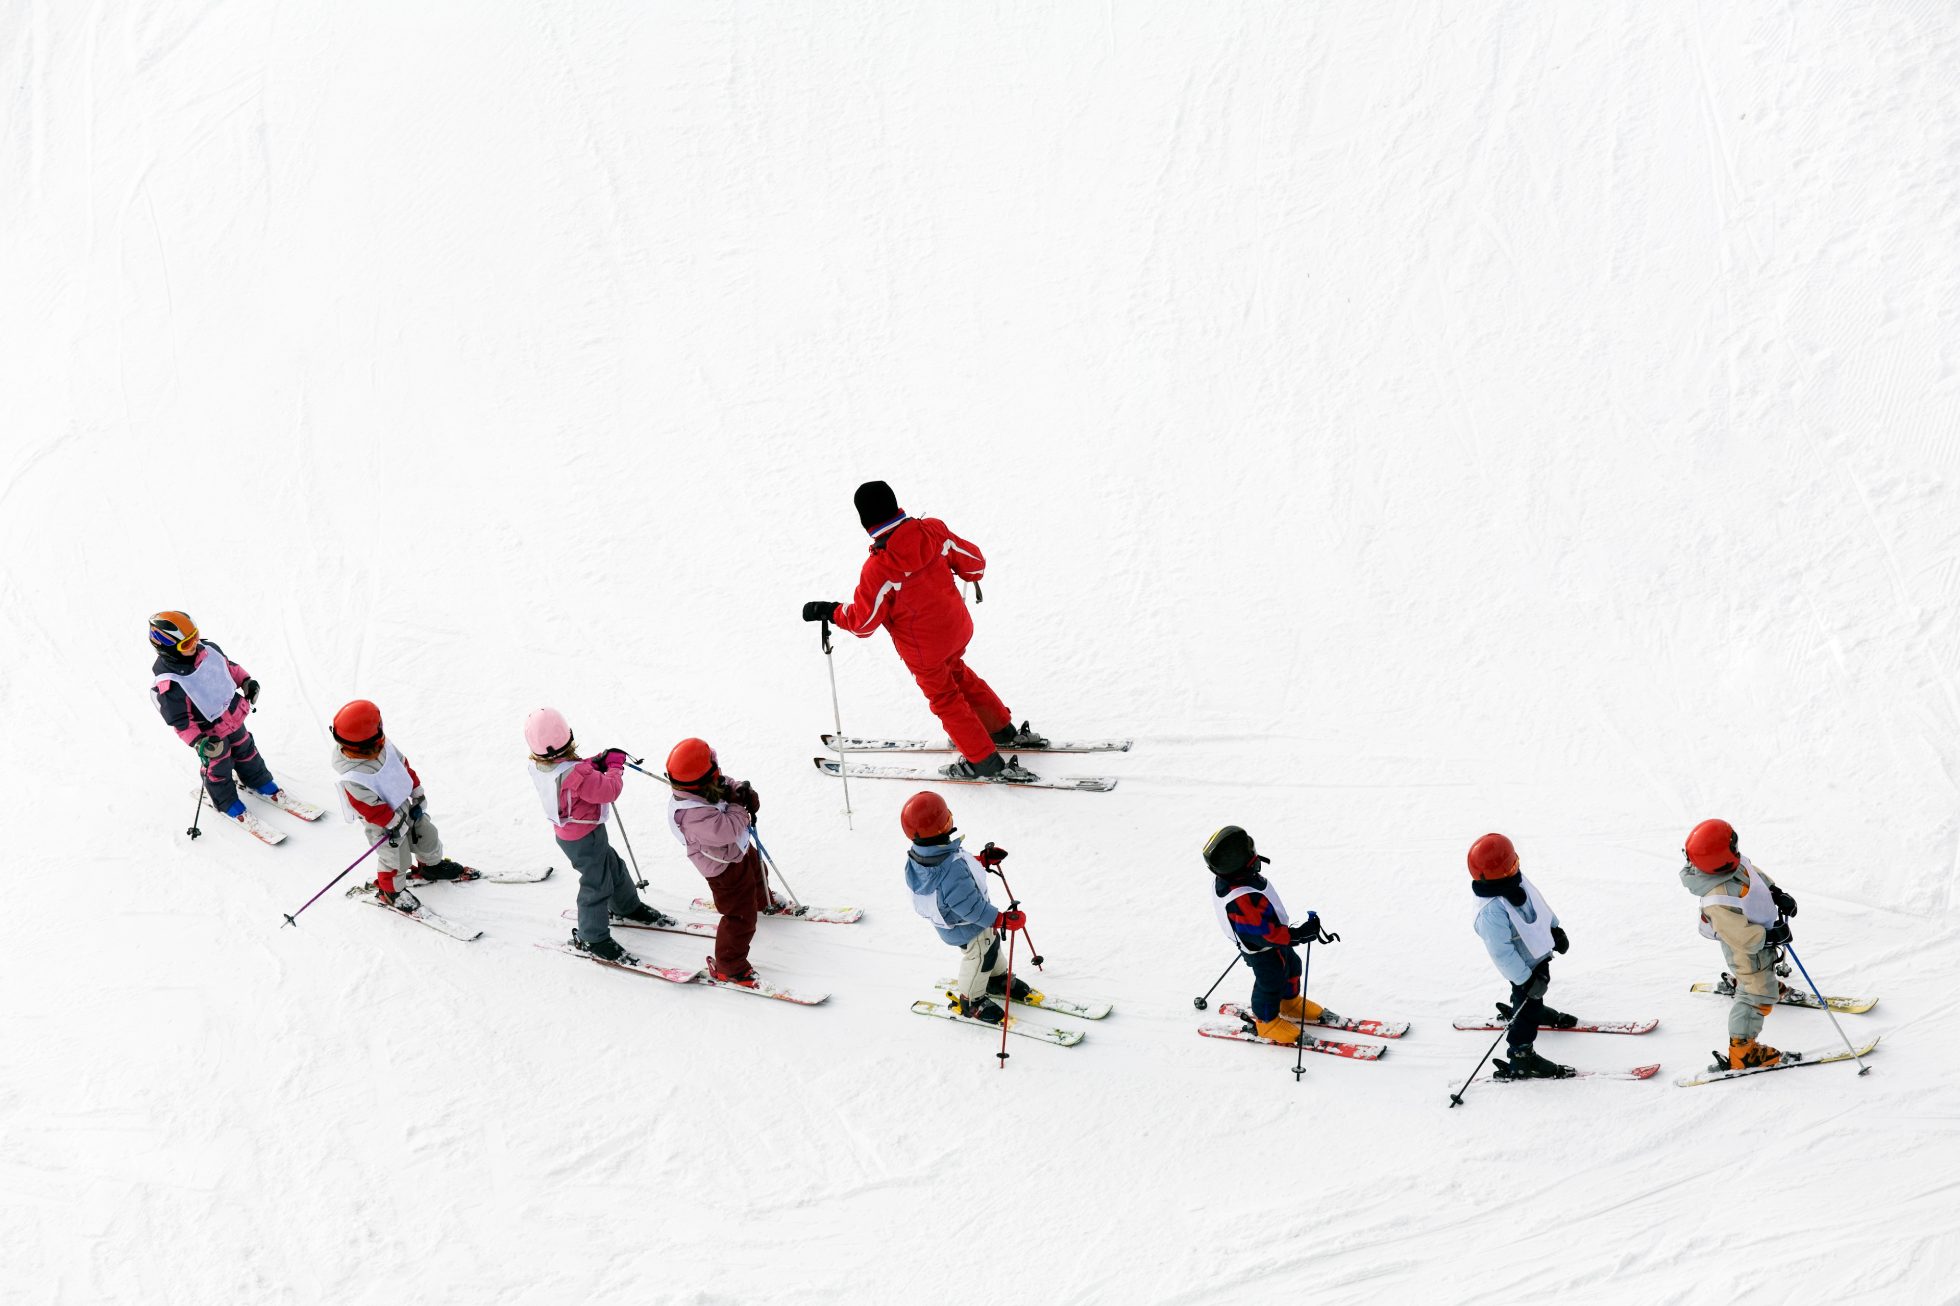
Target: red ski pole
<point>1007,998</point>
<point>993,868</point>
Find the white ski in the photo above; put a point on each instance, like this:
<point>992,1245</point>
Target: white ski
<point>814,915</point>
<point>285,802</point>
<point>1015,1024</point>
<point>423,916</point>
<point>1094,784</point>
<point>1049,1002</point>
<point>859,744</point>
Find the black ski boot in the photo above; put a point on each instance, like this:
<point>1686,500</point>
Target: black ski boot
<point>444,870</point>
<point>1525,1063</point>
<point>997,987</point>
<point>645,915</point>
<point>990,767</point>
<point>401,900</point>
<point>1549,1020</point>
<point>1011,736</point>
<point>981,1009</point>
<point>606,949</point>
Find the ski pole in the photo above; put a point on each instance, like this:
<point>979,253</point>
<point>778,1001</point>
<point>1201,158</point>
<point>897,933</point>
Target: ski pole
<point>837,719</point>
<point>198,814</point>
<point>1204,1003</point>
<point>639,881</point>
<point>770,862</point>
<point>335,880</point>
<point>1007,996</point>
<point>1300,1042</point>
<point>1035,953</point>
<point>1863,1069</point>
<point>1456,1098</point>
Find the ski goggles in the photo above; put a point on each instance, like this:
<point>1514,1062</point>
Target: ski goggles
<point>187,644</point>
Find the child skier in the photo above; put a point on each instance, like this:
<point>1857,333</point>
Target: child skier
<point>906,586</point>
<point>577,795</point>
<point>205,697</point>
<point>712,815</point>
<point>1745,910</point>
<point>1521,932</point>
<point>1255,920</point>
<point>380,790</point>
<point>949,888</point>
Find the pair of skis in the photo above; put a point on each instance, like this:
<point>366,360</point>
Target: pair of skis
<point>706,929</point>
<point>1239,1028</point>
<point>833,766</point>
<point>258,829</point>
<point>1020,1025</point>
<point>421,914</point>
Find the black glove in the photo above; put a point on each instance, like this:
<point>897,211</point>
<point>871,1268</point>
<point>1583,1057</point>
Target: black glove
<point>1306,931</point>
<point>209,747</point>
<point>398,827</point>
<point>1784,902</point>
<point>1541,980</point>
<point>991,856</point>
<point>250,688</point>
<point>819,609</point>
<point>1559,942</point>
<point>414,810</point>
<point>745,795</point>
<point>1777,935</point>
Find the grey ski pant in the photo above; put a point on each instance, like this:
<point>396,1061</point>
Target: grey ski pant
<point>604,884</point>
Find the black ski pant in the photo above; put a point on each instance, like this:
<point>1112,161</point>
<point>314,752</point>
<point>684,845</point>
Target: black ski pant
<point>1530,1012</point>
<point>1275,978</point>
<point>241,755</point>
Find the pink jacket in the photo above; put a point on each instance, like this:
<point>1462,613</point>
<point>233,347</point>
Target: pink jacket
<point>583,794</point>
<point>716,837</point>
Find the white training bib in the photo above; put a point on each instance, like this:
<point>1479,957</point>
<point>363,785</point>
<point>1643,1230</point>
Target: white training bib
<point>1536,935</point>
<point>392,784</point>
<point>209,685</point>
<point>1756,904</point>
<point>927,904</point>
<point>1225,921</point>
<point>549,781</point>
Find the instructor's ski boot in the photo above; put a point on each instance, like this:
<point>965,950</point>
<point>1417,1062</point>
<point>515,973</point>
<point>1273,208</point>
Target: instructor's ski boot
<point>746,976</point>
<point>997,987</point>
<point>1011,736</point>
<point>981,1009</point>
<point>1525,1063</point>
<point>1747,1054</point>
<point>645,915</point>
<point>606,949</point>
<point>991,767</point>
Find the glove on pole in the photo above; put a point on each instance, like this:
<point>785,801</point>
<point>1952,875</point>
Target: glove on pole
<point>1204,1003</point>
<point>837,719</point>
<point>1863,1069</point>
<point>993,868</point>
<point>335,880</point>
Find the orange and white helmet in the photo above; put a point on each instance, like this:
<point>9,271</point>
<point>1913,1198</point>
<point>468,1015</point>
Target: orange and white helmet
<point>173,630</point>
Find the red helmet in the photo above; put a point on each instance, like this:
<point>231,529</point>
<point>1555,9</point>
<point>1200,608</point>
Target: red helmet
<point>690,762</point>
<point>1493,858</point>
<point>924,815</point>
<point>1711,847</point>
<point>357,725</point>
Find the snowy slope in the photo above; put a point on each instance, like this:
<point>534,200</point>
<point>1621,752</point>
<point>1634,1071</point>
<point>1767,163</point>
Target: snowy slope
<point>1407,421</point>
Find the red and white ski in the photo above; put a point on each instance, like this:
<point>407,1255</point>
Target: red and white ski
<point>423,916</point>
<point>1491,1077</point>
<point>285,802</point>
<point>699,929</point>
<point>814,915</point>
<point>672,974</point>
<point>1237,1032</point>
<point>470,876</point>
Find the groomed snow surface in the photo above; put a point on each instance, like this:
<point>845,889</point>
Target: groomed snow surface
<point>1407,420</point>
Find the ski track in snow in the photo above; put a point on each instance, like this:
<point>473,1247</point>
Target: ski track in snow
<point>1405,422</point>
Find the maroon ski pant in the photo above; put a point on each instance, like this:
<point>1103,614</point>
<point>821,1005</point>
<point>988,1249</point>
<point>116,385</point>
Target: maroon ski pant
<point>740,893</point>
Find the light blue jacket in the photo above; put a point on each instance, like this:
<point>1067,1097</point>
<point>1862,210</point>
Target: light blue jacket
<point>944,879</point>
<point>1514,961</point>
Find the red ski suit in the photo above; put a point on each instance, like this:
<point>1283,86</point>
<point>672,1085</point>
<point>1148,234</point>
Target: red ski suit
<point>907,587</point>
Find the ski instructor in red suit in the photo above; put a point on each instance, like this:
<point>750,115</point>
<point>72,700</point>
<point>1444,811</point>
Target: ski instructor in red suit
<point>907,587</point>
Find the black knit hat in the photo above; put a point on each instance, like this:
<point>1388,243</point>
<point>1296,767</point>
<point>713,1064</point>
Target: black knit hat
<point>876,504</point>
<point>1231,852</point>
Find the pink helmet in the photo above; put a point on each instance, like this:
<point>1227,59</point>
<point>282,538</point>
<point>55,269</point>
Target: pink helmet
<point>547,733</point>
